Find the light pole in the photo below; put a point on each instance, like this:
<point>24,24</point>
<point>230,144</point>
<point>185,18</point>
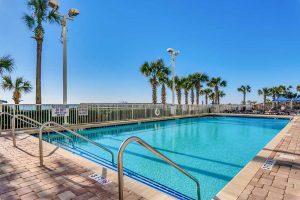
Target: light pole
<point>71,14</point>
<point>173,54</point>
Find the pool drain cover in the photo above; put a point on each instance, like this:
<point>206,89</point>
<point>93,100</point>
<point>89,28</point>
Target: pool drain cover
<point>268,165</point>
<point>100,179</point>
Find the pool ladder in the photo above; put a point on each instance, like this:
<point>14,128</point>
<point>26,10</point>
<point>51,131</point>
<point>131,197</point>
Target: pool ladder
<point>120,153</point>
<point>151,149</point>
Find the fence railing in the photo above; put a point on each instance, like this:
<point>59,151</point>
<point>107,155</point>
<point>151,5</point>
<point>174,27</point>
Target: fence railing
<point>74,114</point>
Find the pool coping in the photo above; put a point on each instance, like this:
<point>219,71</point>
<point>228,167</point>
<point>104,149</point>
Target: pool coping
<point>235,187</point>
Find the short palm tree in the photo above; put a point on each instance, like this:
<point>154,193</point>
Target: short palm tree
<point>212,97</point>
<point>206,92</point>
<point>244,89</point>
<point>152,70</point>
<point>192,84</point>
<point>265,92</point>
<point>186,85</point>
<point>199,78</point>
<point>216,83</point>
<point>178,87</point>
<point>221,94</point>
<point>163,78</point>
<point>34,21</point>
<point>6,64</point>
<point>18,87</point>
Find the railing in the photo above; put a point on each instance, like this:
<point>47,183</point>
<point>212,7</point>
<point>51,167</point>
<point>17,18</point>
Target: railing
<point>77,114</point>
<point>147,146</point>
<point>72,132</point>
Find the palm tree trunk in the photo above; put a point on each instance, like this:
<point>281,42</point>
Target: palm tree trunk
<point>206,99</point>
<point>154,92</point>
<point>198,87</point>
<point>186,94</point>
<point>244,98</point>
<point>163,93</point>
<point>217,100</point>
<point>38,98</point>
<point>192,96</point>
<point>179,96</point>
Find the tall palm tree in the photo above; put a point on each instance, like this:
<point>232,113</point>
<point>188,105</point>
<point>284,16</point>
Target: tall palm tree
<point>199,78</point>
<point>216,83</point>
<point>244,89</point>
<point>6,64</point>
<point>178,87</point>
<point>265,92</point>
<point>186,85</point>
<point>34,21</point>
<point>152,70</point>
<point>206,92</point>
<point>19,86</point>
<point>163,78</point>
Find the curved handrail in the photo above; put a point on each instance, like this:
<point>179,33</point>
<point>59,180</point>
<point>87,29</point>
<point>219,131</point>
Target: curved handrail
<point>40,124</point>
<point>72,132</point>
<point>151,149</point>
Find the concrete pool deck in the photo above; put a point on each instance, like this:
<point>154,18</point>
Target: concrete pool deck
<point>65,175</point>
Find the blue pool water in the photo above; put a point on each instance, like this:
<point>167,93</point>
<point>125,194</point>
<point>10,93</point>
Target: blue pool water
<point>213,149</point>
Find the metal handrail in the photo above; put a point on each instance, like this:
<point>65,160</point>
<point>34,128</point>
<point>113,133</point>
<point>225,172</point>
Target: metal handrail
<point>72,132</point>
<point>40,124</point>
<point>151,149</point>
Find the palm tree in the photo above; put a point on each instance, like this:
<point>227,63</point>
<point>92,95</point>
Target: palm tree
<point>212,97</point>
<point>152,70</point>
<point>279,91</point>
<point>178,87</point>
<point>163,78</point>
<point>206,92</point>
<point>221,94</point>
<point>34,21</point>
<point>244,89</point>
<point>265,92</point>
<point>6,64</point>
<point>216,83</point>
<point>298,88</point>
<point>192,84</point>
<point>186,85</point>
<point>19,86</point>
<point>199,78</point>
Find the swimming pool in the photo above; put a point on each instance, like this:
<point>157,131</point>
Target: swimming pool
<point>213,149</point>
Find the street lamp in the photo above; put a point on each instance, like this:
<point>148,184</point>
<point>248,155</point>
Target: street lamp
<point>173,54</point>
<point>71,14</point>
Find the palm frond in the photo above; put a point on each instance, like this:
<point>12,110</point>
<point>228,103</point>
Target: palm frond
<point>7,83</point>
<point>29,21</point>
<point>6,64</point>
<point>53,18</point>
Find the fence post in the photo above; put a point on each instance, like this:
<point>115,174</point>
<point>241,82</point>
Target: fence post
<point>13,126</point>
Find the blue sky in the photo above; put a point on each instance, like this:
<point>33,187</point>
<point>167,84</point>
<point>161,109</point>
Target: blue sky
<point>251,42</point>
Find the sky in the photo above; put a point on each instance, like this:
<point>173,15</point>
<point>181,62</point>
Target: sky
<point>255,42</point>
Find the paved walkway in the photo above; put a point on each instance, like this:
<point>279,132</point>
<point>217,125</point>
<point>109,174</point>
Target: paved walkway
<point>22,178</point>
<point>283,181</point>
